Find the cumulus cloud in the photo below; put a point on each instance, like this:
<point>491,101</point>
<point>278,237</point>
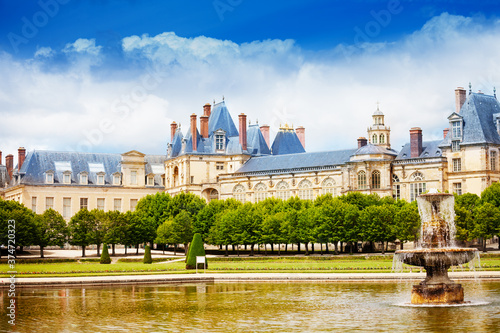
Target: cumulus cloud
<point>44,52</point>
<point>166,77</point>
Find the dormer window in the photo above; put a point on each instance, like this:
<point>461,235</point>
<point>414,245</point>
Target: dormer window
<point>84,178</point>
<point>220,142</point>
<point>496,119</point>
<point>117,179</point>
<point>49,177</point>
<point>67,177</point>
<point>150,180</point>
<point>456,130</point>
<point>100,178</point>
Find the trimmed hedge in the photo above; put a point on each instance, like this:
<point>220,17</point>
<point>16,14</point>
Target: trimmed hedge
<point>147,255</point>
<point>195,249</point>
<point>105,259</point>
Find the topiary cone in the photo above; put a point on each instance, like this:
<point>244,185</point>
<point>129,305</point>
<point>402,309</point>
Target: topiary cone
<point>196,249</point>
<point>147,255</point>
<point>105,259</point>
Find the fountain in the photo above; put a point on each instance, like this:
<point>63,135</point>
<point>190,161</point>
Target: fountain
<point>437,251</point>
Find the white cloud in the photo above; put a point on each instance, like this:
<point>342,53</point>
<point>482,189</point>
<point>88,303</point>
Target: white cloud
<point>83,45</point>
<point>44,52</point>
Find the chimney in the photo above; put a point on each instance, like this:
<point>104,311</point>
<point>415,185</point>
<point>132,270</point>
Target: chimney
<point>415,142</point>
<point>204,126</point>
<point>264,129</point>
<point>0,157</point>
<point>301,134</point>
<point>362,141</point>
<point>445,132</point>
<point>9,163</point>
<point>207,109</point>
<point>21,156</point>
<point>460,95</point>
<point>193,131</point>
<point>173,129</point>
<point>243,130</point>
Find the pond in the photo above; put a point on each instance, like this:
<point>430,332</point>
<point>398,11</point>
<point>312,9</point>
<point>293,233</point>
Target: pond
<point>248,307</point>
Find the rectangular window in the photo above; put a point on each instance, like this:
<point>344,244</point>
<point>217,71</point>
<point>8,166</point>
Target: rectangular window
<point>457,165</point>
<point>33,204</point>
<point>84,179</point>
<point>457,188</point>
<point>117,205</point>
<point>116,180</point>
<point>67,178</point>
<point>50,178</point>
<point>84,203</point>
<point>192,179</point>
<point>66,208</point>
<point>100,203</point>
<point>133,204</point>
<point>493,160</point>
<point>219,142</point>
<point>49,203</point>
<point>133,177</point>
<point>219,166</point>
<point>455,146</point>
<point>396,192</point>
<point>100,179</point>
<point>456,130</point>
<point>151,181</point>
<point>416,189</point>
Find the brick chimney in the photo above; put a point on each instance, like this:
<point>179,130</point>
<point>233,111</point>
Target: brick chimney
<point>460,96</point>
<point>21,156</point>
<point>416,142</point>
<point>264,129</point>
<point>207,109</point>
<point>193,131</point>
<point>243,130</point>
<point>204,126</point>
<point>0,157</point>
<point>445,132</point>
<point>173,129</point>
<point>362,141</point>
<point>301,134</point>
<point>9,163</point>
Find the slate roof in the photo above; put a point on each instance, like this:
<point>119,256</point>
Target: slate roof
<point>221,119</point>
<point>256,144</point>
<point>478,120</point>
<point>4,176</point>
<point>371,149</point>
<point>429,149</point>
<point>37,163</point>
<point>316,160</point>
<point>286,142</point>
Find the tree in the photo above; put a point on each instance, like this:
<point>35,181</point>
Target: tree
<point>81,229</point>
<point>205,219</point>
<point>487,222</point>
<point>24,224</point>
<point>147,255</point>
<point>115,229</point>
<point>50,230</point>
<point>492,195</point>
<point>105,259</point>
<point>407,223</point>
<point>152,210</point>
<point>100,228</point>
<point>182,229</point>
<point>164,235</point>
<point>188,202</point>
<point>195,250</point>
<point>464,216</point>
<point>272,229</point>
<point>378,224</point>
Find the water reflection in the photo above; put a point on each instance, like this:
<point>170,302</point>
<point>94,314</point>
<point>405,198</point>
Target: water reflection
<point>245,307</point>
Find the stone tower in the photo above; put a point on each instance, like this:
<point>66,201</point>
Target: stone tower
<point>378,133</point>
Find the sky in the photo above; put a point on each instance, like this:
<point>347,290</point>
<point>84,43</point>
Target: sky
<point>110,76</point>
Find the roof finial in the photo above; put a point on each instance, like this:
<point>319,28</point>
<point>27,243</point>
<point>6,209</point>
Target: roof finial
<point>470,88</point>
<point>214,101</point>
<point>222,97</point>
<point>257,121</point>
<point>378,103</point>
<point>494,92</point>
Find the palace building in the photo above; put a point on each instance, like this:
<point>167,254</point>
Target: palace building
<point>216,159</point>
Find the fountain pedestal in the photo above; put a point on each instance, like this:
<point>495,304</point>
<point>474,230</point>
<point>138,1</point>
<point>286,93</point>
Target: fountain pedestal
<point>437,293</point>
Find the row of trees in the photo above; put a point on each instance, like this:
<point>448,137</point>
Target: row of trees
<point>162,219</point>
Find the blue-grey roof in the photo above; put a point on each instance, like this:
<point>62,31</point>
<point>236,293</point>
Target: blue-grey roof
<point>256,144</point>
<point>286,142</point>
<point>177,142</point>
<point>4,176</point>
<point>38,162</point>
<point>429,149</point>
<point>478,120</point>
<point>221,119</point>
<point>316,160</point>
<point>371,149</point>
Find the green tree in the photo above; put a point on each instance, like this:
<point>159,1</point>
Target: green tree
<point>116,229</point>
<point>223,229</point>
<point>272,229</point>
<point>81,229</point>
<point>164,235</point>
<point>196,250</point>
<point>152,210</point>
<point>50,230</point>
<point>24,223</point>
<point>105,259</point>
<point>182,229</point>
<point>464,216</point>
<point>487,222</point>
<point>99,229</point>
<point>407,223</point>
<point>378,224</point>
<point>492,194</point>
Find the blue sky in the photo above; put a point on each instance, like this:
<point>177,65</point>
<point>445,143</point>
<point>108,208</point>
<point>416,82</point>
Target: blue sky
<point>109,76</point>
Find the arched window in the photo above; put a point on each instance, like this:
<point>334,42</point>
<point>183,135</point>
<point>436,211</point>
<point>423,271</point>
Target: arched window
<point>283,190</point>
<point>214,194</point>
<point>305,190</point>
<point>328,186</point>
<point>376,179</point>
<point>374,138</point>
<point>260,192</point>
<point>382,138</point>
<point>396,187</point>
<point>418,187</point>
<point>239,193</point>
<point>361,180</point>
<point>176,176</point>
<point>416,176</point>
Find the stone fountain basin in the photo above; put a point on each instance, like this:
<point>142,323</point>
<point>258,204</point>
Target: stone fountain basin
<point>436,257</point>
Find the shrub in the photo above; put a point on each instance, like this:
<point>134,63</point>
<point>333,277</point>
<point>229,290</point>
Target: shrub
<point>195,249</point>
<point>105,259</point>
<point>147,255</point>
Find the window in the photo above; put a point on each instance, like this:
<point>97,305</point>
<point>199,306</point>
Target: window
<point>416,189</point>
<point>239,193</point>
<point>455,145</point>
<point>260,192</point>
<point>133,204</point>
<point>493,160</point>
<point>100,178</point>
<point>457,188</point>
<point>219,140</point>
<point>117,205</point>
<point>163,180</point>
<point>67,177</point>
<point>33,204</point>
<point>133,177</point>
<point>376,179</point>
<point>327,186</point>
<point>361,180</point>
<point>219,166</point>
<point>305,190</point>
<point>456,128</point>
<point>49,203</point>
<point>66,208</point>
<point>457,164</point>
<point>84,178</point>
<point>49,177</point>
<point>84,203</point>
<point>116,179</point>
<point>283,190</point>
<point>416,176</point>
<point>100,203</point>
<point>382,138</point>
<point>374,138</point>
<point>151,181</point>
<point>214,195</point>
<point>396,187</point>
